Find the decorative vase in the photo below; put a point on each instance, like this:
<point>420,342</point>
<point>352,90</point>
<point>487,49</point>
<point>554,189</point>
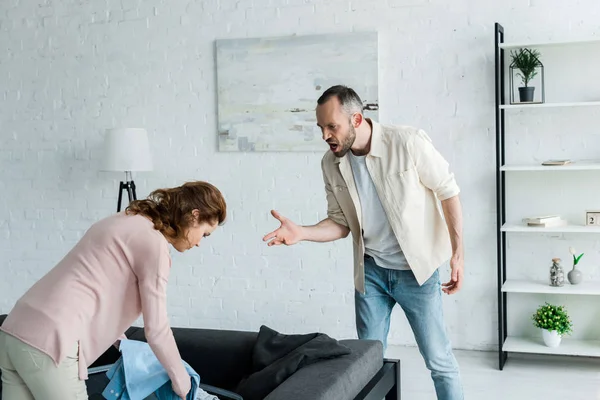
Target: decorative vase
<point>551,338</point>
<point>557,275</point>
<point>574,275</point>
<point>526,94</point>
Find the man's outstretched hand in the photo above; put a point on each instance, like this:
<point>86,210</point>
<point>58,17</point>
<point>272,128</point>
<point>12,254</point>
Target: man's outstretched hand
<point>288,232</point>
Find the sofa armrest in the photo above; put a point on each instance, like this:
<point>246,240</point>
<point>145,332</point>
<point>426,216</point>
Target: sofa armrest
<point>385,384</point>
<point>222,394</point>
<point>341,378</point>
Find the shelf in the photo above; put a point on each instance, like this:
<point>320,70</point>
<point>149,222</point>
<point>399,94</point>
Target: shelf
<point>549,44</point>
<point>574,166</point>
<point>524,286</point>
<point>568,347</point>
<point>550,105</point>
<point>557,229</point>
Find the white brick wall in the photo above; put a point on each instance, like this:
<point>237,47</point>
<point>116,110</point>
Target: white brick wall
<point>70,69</point>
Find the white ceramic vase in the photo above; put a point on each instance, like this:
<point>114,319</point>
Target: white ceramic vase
<point>551,338</point>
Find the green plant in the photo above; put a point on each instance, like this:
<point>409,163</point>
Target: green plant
<point>553,318</point>
<point>575,258</point>
<point>526,60</point>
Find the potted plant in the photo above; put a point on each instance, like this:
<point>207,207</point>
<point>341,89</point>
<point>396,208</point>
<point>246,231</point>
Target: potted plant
<point>574,275</point>
<point>526,61</point>
<point>554,322</point>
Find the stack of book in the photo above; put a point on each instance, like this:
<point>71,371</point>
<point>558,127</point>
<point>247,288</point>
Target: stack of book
<point>547,221</point>
<point>557,162</point>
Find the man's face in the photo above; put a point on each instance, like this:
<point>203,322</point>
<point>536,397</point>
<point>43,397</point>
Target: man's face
<point>335,124</point>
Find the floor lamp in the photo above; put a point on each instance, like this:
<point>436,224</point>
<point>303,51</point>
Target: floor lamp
<point>127,150</point>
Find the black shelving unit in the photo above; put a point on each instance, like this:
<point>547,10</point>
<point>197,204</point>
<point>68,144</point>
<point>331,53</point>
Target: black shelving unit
<point>506,343</point>
<point>500,186</point>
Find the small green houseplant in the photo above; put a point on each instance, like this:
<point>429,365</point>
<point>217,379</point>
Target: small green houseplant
<point>574,275</point>
<point>554,322</point>
<point>526,61</point>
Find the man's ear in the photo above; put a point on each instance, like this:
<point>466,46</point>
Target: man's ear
<point>357,119</point>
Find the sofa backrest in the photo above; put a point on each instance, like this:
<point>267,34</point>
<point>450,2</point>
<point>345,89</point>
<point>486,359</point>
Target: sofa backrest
<point>221,358</point>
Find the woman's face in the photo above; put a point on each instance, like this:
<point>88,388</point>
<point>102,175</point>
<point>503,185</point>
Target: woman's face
<point>194,234</point>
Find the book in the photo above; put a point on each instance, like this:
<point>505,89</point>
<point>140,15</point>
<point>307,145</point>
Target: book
<point>542,219</point>
<point>550,224</point>
<point>556,162</point>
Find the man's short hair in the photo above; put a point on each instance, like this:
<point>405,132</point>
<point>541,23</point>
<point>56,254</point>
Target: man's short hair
<point>350,101</point>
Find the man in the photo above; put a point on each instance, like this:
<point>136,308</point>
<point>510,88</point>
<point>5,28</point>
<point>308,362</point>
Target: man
<point>383,184</point>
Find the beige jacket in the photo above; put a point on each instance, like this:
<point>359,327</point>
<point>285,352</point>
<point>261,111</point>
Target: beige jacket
<point>410,176</point>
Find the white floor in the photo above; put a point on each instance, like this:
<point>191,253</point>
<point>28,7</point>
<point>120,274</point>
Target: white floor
<point>524,377</point>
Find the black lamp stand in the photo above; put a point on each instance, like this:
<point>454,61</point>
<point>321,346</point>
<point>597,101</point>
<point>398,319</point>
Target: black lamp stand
<point>129,186</point>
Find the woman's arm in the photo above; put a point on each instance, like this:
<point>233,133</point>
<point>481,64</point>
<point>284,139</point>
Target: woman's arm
<point>152,266</point>
<point>159,334</point>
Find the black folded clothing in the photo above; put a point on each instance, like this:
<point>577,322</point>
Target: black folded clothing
<point>277,356</point>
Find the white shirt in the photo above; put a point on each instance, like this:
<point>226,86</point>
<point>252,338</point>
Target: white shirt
<point>379,238</point>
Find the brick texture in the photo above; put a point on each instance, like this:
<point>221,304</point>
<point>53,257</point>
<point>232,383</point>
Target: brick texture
<point>70,69</point>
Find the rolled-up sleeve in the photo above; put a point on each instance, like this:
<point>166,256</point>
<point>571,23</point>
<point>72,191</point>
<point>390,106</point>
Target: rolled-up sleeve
<point>431,166</point>
<point>334,211</point>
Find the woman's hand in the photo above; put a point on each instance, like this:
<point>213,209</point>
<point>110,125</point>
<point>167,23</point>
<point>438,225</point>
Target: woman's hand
<point>183,395</point>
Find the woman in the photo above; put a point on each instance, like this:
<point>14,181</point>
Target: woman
<point>117,271</point>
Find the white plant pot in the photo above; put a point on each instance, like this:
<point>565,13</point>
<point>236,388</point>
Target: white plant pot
<point>551,338</point>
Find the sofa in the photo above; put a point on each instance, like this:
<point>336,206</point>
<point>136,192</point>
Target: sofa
<point>223,358</point>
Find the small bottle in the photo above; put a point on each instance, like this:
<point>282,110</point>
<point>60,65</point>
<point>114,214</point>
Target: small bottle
<point>557,275</point>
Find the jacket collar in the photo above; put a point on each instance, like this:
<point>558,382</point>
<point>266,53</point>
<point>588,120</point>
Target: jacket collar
<point>376,141</point>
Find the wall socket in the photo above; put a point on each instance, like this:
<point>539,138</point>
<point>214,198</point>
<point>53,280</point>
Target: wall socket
<point>592,218</point>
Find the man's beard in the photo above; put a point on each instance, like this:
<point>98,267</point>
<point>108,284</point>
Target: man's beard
<point>343,148</point>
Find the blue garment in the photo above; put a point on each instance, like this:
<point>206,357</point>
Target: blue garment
<point>138,374</point>
<point>422,306</point>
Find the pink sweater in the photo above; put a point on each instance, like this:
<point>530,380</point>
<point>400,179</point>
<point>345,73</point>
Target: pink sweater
<point>117,271</point>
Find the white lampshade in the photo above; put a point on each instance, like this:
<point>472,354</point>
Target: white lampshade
<point>127,149</point>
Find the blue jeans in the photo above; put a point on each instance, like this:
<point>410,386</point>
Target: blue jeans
<point>423,308</point>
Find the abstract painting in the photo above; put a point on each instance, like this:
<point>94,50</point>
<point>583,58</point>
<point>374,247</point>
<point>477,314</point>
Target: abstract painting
<point>268,87</point>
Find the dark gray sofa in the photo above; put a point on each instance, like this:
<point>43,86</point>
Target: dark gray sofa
<point>223,358</point>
